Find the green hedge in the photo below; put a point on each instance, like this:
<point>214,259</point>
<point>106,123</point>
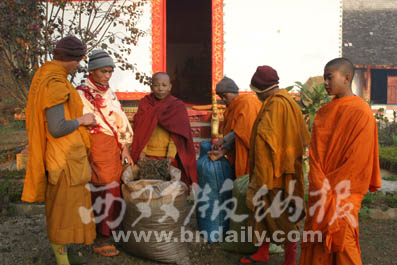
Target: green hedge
<point>388,158</point>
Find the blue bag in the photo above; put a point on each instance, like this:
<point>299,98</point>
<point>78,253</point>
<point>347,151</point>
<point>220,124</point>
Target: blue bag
<point>215,179</point>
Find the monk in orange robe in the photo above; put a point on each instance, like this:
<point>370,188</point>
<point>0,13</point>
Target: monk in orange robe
<point>111,138</point>
<point>275,195</point>
<point>344,165</point>
<point>239,118</point>
<point>58,167</point>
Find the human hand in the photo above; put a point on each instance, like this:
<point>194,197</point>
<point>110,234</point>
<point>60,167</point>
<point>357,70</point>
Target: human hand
<point>218,144</point>
<point>142,156</point>
<point>87,119</point>
<point>126,157</point>
<point>216,154</point>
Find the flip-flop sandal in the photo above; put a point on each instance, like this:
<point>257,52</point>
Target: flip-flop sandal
<point>106,251</point>
<point>253,261</point>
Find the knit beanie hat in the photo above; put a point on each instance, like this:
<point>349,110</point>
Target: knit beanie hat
<point>226,85</point>
<point>98,59</point>
<point>264,79</point>
<point>69,48</point>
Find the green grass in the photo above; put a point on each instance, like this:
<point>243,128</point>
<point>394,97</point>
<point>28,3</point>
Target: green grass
<point>391,178</point>
<point>388,158</point>
<point>379,200</point>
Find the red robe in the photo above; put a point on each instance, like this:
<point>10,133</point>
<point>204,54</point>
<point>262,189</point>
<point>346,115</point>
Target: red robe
<point>171,114</point>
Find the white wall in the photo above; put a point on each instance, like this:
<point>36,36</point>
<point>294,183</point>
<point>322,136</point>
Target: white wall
<point>141,54</point>
<point>297,38</point>
<point>358,82</point>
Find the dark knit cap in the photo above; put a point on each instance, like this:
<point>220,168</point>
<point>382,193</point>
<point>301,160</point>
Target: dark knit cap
<point>69,48</point>
<point>98,59</point>
<point>264,77</point>
<point>226,85</point>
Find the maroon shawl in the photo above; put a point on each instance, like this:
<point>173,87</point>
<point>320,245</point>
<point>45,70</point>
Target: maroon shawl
<point>171,114</point>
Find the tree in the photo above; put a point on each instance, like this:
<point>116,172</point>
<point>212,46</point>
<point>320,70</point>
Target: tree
<point>29,30</point>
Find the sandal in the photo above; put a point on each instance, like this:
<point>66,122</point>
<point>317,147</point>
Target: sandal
<point>252,261</point>
<point>106,251</point>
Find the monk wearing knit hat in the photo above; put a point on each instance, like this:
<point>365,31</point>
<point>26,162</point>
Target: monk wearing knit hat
<point>275,193</point>
<point>58,167</point>
<point>239,118</point>
<point>111,138</point>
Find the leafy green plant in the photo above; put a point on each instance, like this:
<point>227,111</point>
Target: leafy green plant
<point>379,200</point>
<point>391,178</point>
<point>388,158</point>
<point>310,100</point>
<point>364,212</point>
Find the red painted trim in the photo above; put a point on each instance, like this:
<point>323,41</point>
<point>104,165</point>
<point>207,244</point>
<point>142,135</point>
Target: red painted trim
<point>217,42</point>
<point>131,95</point>
<point>159,37</point>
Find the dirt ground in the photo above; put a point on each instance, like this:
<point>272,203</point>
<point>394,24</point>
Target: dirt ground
<point>23,241</point>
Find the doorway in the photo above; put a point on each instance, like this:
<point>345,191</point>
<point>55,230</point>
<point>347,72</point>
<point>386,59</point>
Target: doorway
<point>189,51</point>
<point>381,93</point>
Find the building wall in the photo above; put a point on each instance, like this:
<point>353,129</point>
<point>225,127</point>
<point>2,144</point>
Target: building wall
<point>140,54</point>
<point>369,31</point>
<point>297,38</point>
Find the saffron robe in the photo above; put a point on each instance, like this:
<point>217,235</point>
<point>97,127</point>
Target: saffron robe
<point>278,139</point>
<point>170,114</point>
<point>58,168</point>
<point>344,165</point>
<point>239,117</point>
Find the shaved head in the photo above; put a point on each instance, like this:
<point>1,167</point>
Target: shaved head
<point>158,74</point>
<point>342,65</point>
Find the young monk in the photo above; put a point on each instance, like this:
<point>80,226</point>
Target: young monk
<point>239,118</point>
<point>58,167</point>
<point>276,188</point>
<point>344,165</point>
<point>162,129</point>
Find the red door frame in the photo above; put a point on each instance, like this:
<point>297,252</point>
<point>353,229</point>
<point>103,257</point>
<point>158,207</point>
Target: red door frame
<point>159,38</point>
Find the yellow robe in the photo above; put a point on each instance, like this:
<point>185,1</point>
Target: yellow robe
<point>58,168</point>
<point>278,139</point>
<point>160,144</point>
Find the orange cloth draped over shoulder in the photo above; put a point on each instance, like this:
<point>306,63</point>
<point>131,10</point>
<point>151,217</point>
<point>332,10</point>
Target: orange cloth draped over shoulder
<point>344,165</point>
<point>50,87</point>
<point>58,168</point>
<point>240,117</point>
<point>278,139</point>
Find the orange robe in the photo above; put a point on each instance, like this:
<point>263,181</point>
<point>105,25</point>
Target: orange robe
<point>344,165</point>
<point>58,168</point>
<point>278,139</point>
<point>240,117</point>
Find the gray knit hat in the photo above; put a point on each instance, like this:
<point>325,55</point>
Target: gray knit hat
<point>98,59</point>
<point>226,85</point>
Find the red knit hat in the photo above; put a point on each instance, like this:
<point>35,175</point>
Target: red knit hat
<point>69,48</point>
<point>264,77</point>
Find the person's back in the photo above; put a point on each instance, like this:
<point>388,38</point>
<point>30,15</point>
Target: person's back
<point>344,165</point>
